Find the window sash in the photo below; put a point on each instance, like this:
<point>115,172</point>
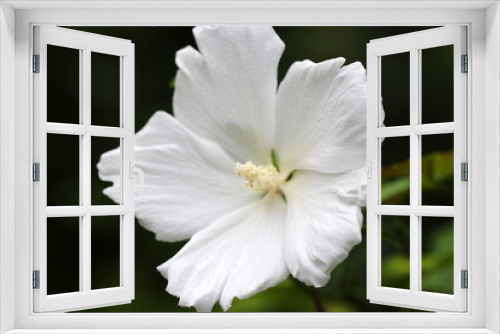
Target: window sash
<point>86,43</point>
<point>414,298</point>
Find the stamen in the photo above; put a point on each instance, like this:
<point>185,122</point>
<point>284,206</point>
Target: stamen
<point>261,178</point>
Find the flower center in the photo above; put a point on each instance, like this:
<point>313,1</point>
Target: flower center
<point>261,178</point>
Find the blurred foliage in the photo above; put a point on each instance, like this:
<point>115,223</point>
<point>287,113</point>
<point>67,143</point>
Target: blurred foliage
<point>437,265</point>
<point>437,174</point>
<point>155,71</point>
<point>437,244</point>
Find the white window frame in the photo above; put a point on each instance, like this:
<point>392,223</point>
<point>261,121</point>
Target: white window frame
<point>16,21</point>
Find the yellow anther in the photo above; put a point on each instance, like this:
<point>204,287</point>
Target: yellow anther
<point>261,178</point>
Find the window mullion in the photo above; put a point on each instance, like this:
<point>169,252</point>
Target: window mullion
<point>414,171</point>
<point>81,229</point>
<point>418,186</point>
<point>86,255</point>
<point>86,170</point>
<point>40,155</point>
<point>373,183</point>
<point>123,243</point>
<point>460,155</point>
<point>127,220</point>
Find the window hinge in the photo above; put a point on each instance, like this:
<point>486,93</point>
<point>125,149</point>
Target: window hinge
<point>464,171</point>
<point>465,64</point>
<point>464,279</point>
<point>36,279</point>
<point>36,63</point>
<point>36,172</point>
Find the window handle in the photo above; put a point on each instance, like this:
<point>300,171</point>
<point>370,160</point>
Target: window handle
<point>136,170</point>
<point>368,170</point>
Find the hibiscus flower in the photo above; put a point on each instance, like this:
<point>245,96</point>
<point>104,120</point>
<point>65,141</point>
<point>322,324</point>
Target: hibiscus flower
<point>261,180</point>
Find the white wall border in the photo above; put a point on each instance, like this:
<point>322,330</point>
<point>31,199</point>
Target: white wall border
<point>259,322</point>
<point>7,166</point>
<point>492,155</point>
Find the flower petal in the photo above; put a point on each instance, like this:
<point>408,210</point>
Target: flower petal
<point>346,186</point>
<point>321,117</point>
<point>227,91</point>
<point>238,256</point>
<point>321,226</point>
<point>189,181</point>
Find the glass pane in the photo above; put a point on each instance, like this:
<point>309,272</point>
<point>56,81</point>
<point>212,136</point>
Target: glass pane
<point>437,254</point>
<point>437,84</point>
<point>105,89</point>
<point>105,257</point>
<point>99,146</point>
<point>395,90</point>
<point>437,169</point>
<point>395,178</point>
<point>396,251</point>
<point>63,85</point>
<point>63,255</point>
<point>63,170</point>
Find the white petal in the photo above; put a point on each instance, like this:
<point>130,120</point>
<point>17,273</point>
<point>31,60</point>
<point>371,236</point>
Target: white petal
<point>321,226</point>
<point>321,117</point>
<point>346,186</point>
<point>238,256</point>
<point>189,181</point>
<point>227,91</point>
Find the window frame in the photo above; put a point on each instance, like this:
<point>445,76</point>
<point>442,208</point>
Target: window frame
<point>15,113</point>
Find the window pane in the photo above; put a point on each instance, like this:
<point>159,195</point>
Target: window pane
<point>395,251</point>
<point>395,82</point>
<point>437,254</point>
<point>395,178</point>
<point>105,89</point>
<point>437,84</point>
<point>437,169</point>
<point>63,170</point>
<point>63,85</point>
<point>99,146</point>
<point>63,255</point>
<point>105,257</point>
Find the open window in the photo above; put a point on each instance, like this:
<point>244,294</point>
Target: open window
<point>84,133</point>
<point>412,135</point>
<point>17,155</point>
<point>77,56</point>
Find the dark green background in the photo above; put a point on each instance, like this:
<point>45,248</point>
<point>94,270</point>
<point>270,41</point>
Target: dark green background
<point>155,69</point>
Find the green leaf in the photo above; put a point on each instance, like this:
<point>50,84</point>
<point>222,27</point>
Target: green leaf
<point>397,187</point>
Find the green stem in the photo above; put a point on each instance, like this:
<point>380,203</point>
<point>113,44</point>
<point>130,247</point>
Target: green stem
<point>314,293</point>
<point>318,303</point>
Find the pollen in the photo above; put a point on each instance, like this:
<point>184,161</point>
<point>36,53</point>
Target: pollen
<point>261,178</point>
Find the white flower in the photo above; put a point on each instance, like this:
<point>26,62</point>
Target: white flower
<point>210,174</point>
